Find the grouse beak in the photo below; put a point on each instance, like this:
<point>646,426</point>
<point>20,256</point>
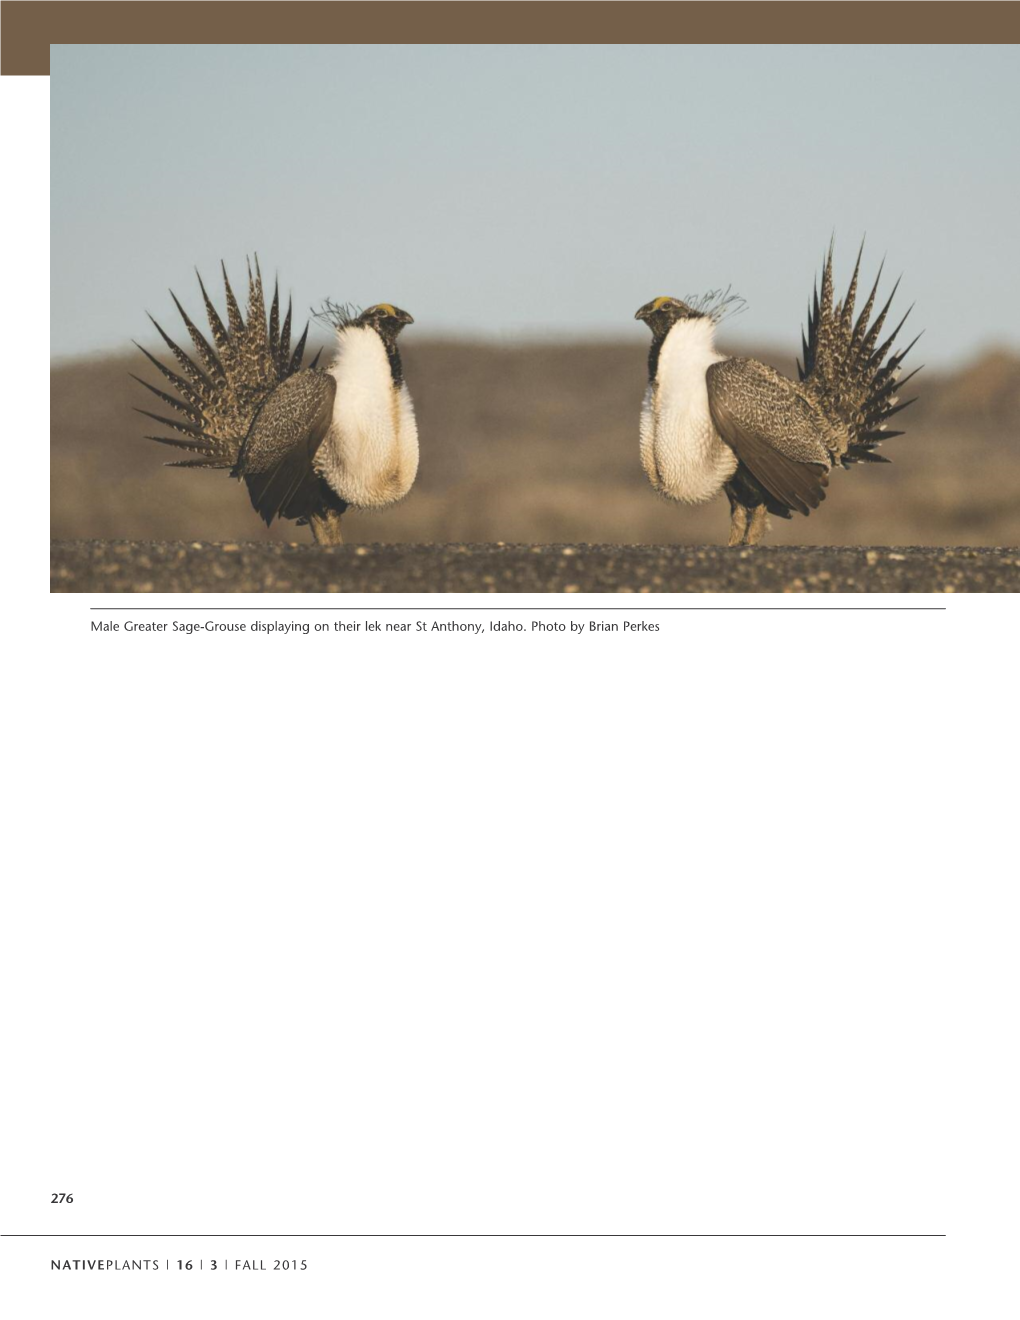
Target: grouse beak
<point>643,313</point>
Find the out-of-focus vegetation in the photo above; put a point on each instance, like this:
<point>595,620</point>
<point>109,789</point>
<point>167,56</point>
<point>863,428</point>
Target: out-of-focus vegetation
<point>538,443</point>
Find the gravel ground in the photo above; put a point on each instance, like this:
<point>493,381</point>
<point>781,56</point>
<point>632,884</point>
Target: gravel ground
<point>144,566</point>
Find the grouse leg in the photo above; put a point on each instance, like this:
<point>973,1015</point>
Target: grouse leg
<point>757,525</point>
<point>738,519</point>
<point>326,527</point>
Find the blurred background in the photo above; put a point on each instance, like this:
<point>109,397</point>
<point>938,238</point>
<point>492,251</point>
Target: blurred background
<point>522,202</point>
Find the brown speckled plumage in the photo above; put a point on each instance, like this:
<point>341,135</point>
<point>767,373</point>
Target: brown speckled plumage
<point>846,371</point>
<point>276,457</point>
<point>222,386</point>
<point>779,433</point>
<point>837,411</point>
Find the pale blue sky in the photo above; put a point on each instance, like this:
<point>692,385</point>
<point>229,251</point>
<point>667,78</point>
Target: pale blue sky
<point>523,190</point>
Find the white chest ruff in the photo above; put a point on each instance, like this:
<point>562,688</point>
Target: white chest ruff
<point>370,456</point>
<point>681,451</point>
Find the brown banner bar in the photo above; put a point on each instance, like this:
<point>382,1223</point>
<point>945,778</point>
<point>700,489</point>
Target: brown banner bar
<point>31,26</point>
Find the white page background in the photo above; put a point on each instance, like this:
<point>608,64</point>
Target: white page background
<point>556,947</point>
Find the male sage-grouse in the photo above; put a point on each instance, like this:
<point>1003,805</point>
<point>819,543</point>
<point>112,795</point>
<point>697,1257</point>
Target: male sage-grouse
<point>308,443</point>
<point>711,422</point>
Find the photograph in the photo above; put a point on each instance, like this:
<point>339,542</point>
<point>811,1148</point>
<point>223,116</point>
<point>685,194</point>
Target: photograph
<point>534,318</point>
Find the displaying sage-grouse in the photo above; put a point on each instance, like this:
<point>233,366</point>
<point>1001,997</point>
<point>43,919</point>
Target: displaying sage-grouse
<point>308,443</point>
<point>711,422</point>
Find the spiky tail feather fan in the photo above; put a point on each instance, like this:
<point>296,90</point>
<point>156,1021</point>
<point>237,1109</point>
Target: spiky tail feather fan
<point>844,366</point>
<point>224,383</point>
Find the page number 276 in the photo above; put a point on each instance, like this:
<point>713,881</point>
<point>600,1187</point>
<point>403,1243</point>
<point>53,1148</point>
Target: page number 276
<point>62,1198</point>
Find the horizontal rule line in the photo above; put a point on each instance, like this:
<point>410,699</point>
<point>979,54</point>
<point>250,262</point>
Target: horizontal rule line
<point>476,1235</point>
<point>491,609</point>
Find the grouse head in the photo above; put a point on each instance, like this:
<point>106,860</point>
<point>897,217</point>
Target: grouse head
<point>386,319</point>
<point>662,313</point>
